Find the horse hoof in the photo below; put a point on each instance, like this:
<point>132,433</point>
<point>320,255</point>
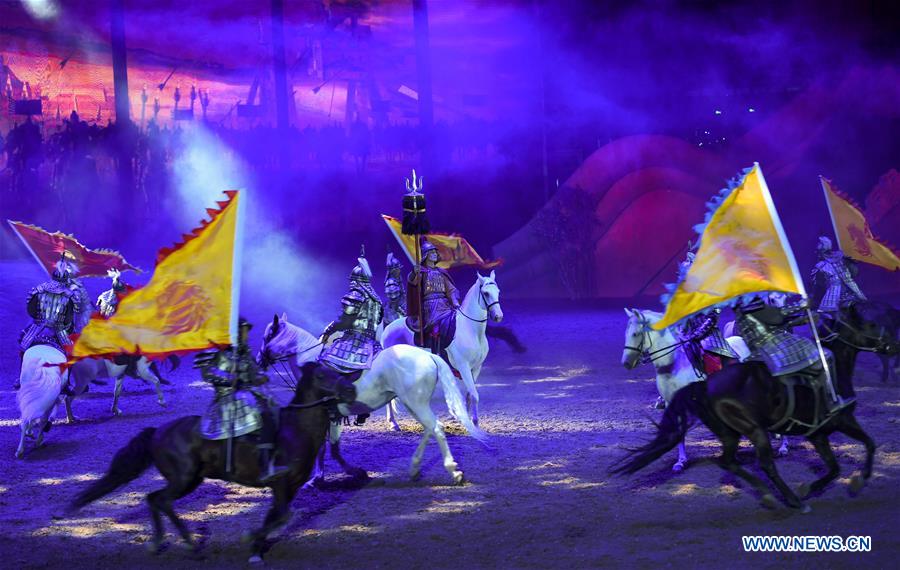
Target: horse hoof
<point>805,509</point>
<point>255,559</point>
<point>157,547</point>
<point>678,467</point>
<point>162,403</point>
<point>783,452</point>
<point>358,473</point>
<point>116,412</point>
<point>458,478</point>
<point>803,490</point>
<point>415,475</point>
<point>70,421</point>
<point>769,501</point>
<point>20,453</point>
<point>856,485</point>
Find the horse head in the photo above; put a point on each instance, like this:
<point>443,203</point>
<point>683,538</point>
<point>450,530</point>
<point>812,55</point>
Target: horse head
<point>274,343</point>
<point>871,326</point>
<point>490,295</point>
<point>635,339</point>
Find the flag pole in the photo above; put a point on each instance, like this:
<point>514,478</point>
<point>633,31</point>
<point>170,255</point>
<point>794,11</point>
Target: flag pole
<point>786,247</point>
<point>415,223</point>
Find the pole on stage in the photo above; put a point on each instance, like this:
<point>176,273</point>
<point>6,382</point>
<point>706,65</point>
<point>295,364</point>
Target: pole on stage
<point>415,223</point>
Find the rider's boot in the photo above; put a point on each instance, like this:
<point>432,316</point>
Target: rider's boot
<point>267,469</point>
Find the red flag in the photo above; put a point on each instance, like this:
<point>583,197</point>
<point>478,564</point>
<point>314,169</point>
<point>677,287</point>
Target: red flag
<point>47,249</point>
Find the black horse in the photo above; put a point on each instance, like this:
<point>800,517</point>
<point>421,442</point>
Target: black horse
<point>185,458</point>
<point>745,400</point>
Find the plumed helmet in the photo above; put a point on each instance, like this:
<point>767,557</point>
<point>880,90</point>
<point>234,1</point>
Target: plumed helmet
<point>824,243</point>
<point>361,272</point>
<point>392,262</point>
<point>65,268</point>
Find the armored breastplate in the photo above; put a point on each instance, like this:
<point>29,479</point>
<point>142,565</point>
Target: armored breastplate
<point>435,283</point>
<point>54,305</point>
<point>369,315</point>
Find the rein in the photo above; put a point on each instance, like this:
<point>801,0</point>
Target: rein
<point>834,334</point>
<point>651,356</point>
<point>318,402</point>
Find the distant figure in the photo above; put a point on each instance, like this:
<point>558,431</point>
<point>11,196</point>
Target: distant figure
<point>394,291</point>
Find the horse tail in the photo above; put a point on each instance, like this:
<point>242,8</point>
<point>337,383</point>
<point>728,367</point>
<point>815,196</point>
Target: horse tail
<point>174,361</point>
<point>455,402</point>
<point>127,465</point>
<point>41,382</point>
<point>669,432</point>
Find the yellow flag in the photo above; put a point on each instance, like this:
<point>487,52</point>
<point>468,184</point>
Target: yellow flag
<point>743,250</point>
<point>190,302</point>
<point>854,237</point>
<point>455,250</point>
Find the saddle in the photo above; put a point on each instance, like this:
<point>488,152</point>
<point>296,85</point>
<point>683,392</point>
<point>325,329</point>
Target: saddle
<point>790,420</point>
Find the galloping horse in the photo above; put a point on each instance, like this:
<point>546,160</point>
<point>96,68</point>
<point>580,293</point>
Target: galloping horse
<point>745,400</point>
<point>185,459</point>
<point>41,380</point>
<point>674,370</point>
<point>89,370</point>
<point>407,373</point>
<point>469,347</point>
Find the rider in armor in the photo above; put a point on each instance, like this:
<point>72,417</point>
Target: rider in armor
<point>53,306</point>
<point>765,327</point>
<point>704,342</point>
<point>108,301</point>
<point>362,312</point>
<point>836,273</point>
<point>394,290</point>
<point>434,300</point>
<point>240,407</point>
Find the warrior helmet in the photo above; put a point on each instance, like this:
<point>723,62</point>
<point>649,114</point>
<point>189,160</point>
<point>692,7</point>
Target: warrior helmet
<point>244,323</point>
<point>428,248</point>
<point>362,272</point>
<point>824,244</point>
<point>65,268</point>
<point>393,262</point>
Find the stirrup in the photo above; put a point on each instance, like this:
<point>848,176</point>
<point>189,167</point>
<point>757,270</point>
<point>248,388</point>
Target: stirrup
<point>835,406</point>
<point>275,472</point>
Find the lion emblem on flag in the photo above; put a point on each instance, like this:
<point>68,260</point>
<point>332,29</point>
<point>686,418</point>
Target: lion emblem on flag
<point>183,307</point>
<point>860,239</point>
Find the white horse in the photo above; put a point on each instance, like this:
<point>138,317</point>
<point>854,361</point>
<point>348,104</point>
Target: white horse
<point>674,370</point>
<point>41,380</point>
<point>469,347</point>
<point>407,373</point>
<point>87,371</point>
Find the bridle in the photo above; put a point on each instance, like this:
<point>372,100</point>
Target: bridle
<point>279,365</point>
<point>647,354</point>
<point>833,334</point>
<point>483,301</point>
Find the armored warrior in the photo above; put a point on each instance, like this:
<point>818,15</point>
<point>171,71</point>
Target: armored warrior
<point>362,311</point>
<point>53,307</point>
<point>108,301</point>
<point>394,290</point>
<point>240,407</point>
<point>834,273</point>
<point>439,301</point>
<point>765,327</point>
<point>704,342</point>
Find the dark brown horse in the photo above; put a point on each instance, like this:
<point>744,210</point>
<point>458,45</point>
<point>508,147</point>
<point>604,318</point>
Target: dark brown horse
<point>745,400</point>
<point>185,459</point>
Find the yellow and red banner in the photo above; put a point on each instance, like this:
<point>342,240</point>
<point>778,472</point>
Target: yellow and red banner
<point>854,236</point>
<point>455,251</point>
<point>743,250</point>
<point>190,302</point>
<point>47,249</point>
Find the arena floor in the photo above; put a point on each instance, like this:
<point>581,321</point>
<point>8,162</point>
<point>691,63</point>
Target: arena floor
<point>558,416</point>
